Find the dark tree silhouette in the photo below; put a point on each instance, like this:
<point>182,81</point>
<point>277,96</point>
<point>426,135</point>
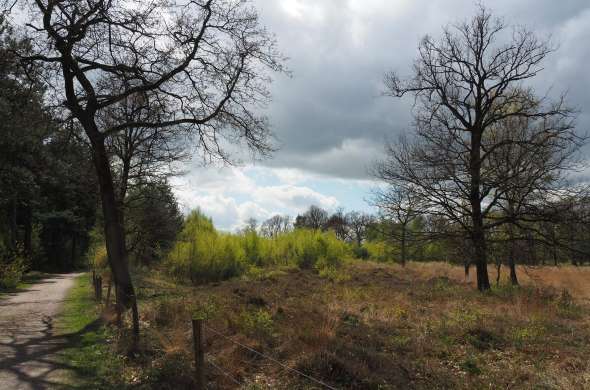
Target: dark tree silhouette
<point>465,85</point>
<point>358,225</point>
<point>314,218</point>
<point>201,65</point>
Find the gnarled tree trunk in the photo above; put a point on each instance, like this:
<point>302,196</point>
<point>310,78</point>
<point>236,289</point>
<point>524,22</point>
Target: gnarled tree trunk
<point>114,233</point>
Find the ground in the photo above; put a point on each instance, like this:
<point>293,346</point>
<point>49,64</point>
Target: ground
<point>29,341</point>
<point>365,326</point>
<point>369,326</point>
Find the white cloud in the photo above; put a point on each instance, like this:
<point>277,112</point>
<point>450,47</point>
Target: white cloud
<point>292,197</point>
<point>231,195</point>
<point>303,10</point>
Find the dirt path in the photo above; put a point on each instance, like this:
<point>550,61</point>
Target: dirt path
<point>28,343</point>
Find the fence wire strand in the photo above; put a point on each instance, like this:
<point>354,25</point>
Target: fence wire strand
<point>284,366</point>
<point>223,372</point>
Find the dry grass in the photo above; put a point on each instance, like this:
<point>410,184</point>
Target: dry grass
<point>379,327</point>
<point>574,279</point>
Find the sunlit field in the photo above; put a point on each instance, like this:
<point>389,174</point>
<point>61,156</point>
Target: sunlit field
<point>371,326</point>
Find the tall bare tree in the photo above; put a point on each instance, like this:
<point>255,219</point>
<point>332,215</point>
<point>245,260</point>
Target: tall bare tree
<point>400,206</point>
<point>201,64</point>
<point>358,225</point>
<point>529,168</point>
<point>465,84</point>
<point>338,223</point>
<point>314,218</point>
<point>276,225</point>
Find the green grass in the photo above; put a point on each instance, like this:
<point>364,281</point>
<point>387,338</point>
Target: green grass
<point>95,365</point>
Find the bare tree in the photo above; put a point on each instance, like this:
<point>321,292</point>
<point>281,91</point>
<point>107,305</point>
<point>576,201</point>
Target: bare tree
<point>358,223</point>
<point>200,64</point>
<point>529,168</point>
<point>400,206</point>
<point>338,223</point>
<point>251,225</point>
<point>276,225</point>
<point>465,84</point>
<point>314,218</point>
<point>141,154</point>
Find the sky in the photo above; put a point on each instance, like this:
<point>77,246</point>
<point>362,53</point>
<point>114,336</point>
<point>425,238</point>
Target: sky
<point>330,118</point>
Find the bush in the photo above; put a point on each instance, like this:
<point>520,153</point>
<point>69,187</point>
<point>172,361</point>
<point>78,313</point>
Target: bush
<point>12,268</point>
<point>379,251</point>
<point>258,323</point>
<point>360,252</point>
<point>202,254</point>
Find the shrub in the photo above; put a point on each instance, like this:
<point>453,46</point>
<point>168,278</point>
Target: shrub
<point>202,254</point>
<point>13,265</point>
<point>361,252</point>
<point>258,323</point>
<point>379,251</point>
<point>12,273</point>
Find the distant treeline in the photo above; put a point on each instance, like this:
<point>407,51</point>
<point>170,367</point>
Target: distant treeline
<point>322,241</point>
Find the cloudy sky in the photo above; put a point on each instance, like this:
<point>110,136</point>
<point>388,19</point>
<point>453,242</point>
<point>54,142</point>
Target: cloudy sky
<point>329,117</point>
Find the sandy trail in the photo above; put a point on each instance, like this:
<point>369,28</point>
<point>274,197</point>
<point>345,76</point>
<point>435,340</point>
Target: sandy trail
<point>28,341</point>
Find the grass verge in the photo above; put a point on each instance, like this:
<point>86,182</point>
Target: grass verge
<point>94,365</point>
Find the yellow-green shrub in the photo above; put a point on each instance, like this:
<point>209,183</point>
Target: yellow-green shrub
<point>207,256</point>
<point>11,273</point>
<point>379,251</point>
<point>204,254</point>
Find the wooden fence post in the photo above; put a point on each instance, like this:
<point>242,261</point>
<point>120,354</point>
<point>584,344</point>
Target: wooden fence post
<point>198,344</point>
<point>109,293</point>
<point>99,288</point>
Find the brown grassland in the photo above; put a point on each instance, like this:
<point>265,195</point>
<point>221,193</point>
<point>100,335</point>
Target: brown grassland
<point>371,326</point>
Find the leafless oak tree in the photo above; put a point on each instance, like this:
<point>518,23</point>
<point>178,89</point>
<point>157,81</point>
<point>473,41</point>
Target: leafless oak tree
<point>314,218</point>
<point>465,84</point>
<point>200,64</point>
<point>275,226</point>
<point>400,206</point>
<point>358,224</point>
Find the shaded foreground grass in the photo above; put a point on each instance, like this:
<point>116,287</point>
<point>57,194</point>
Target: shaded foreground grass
<point>93,363</point>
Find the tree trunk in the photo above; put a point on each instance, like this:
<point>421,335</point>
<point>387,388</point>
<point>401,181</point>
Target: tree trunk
<point>74,249</point>
<point>481,264</point>
<point>513,277</point>
<point>114,234</point>
<point>403,244</point>
<point>477,234</point>
<point>13,222</point>
<point>511,262</point>
<point>28,227</point>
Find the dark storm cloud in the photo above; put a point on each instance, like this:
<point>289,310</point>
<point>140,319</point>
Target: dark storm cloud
<point>330,118</point>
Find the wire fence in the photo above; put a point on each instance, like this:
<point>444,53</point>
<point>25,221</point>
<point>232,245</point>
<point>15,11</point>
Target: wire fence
<point>223,372</point>
<point>208,359</point>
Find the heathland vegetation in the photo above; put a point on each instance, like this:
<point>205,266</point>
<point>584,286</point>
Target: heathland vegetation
<point>98,103</point>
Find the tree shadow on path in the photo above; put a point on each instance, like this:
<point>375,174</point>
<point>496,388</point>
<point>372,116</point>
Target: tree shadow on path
<point>29,358</point>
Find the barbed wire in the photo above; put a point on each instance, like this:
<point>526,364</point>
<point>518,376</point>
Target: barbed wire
<point>284,366</point>
<point>223,372</point>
